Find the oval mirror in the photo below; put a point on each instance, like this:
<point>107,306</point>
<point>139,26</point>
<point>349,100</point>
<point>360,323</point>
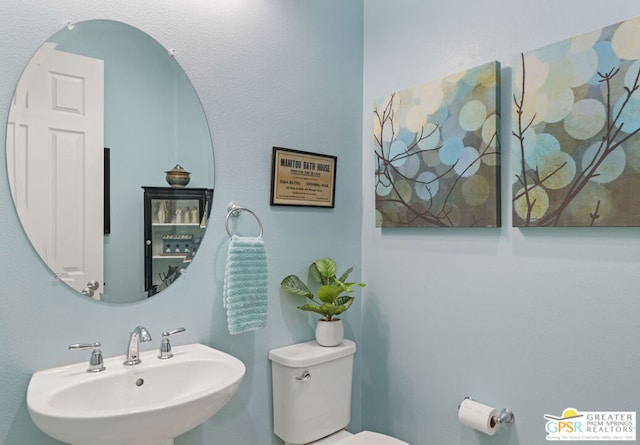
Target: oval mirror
<point>100,114</point>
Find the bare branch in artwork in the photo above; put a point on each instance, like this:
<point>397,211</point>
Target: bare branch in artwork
<point>520,136</point>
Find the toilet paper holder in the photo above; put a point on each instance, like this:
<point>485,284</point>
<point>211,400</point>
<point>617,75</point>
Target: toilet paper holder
<point>504,416</point>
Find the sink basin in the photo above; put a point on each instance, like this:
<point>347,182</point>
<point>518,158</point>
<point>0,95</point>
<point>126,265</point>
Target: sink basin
<point>146,404</point>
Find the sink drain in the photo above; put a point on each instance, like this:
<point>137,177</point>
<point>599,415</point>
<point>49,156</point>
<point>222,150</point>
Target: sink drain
<point>139,382</point>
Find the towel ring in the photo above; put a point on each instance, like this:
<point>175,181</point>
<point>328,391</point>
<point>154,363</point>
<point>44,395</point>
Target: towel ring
<point>234,209</point>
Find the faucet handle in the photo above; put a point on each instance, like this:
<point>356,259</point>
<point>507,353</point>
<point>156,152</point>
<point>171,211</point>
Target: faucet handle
<point>96,364</point>
<point>165,345</point>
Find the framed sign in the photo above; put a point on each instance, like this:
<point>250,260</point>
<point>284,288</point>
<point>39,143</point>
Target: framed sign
<point>299,178</point>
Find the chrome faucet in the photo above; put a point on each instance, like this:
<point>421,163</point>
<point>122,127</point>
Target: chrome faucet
<point>139,334</point>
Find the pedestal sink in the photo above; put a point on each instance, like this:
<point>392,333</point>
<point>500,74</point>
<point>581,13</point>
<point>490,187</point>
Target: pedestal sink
<point>146,404</point>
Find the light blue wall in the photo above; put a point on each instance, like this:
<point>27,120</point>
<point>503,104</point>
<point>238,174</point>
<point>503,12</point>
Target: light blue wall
<point>269,72</point>
<point>533,320</point>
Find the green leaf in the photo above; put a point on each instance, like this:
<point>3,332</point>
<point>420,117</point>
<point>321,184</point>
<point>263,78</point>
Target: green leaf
<point>345,275</point>
<point>326,310</point>
<point>347,286</point>
<point>327,269</point>
<point>315,273</point>
<point>345,301</point>
<point>340,309</point>
<point>295,285</point>
<point>329,293</point>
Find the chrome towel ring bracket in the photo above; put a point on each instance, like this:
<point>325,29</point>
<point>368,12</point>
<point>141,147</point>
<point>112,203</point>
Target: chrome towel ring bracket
<point>234,209</point>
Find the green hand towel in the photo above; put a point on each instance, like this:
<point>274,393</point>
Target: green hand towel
<point>244,293</point>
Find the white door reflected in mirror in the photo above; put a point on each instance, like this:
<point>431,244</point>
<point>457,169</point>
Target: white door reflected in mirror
<point>55,146</point>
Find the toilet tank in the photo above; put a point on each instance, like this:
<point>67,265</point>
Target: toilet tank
<point>311,390</point>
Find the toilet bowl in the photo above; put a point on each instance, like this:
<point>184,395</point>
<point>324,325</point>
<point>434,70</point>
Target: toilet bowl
<point>362,438</point>
<point>312,396</point>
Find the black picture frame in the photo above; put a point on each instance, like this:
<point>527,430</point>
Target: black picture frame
<point>107,191</point>
<point>302,178</point>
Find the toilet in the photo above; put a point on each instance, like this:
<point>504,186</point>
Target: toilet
<point>312,396</point>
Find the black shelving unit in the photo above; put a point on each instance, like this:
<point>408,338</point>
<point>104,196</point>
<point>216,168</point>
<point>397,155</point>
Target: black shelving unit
<point>175,220</point>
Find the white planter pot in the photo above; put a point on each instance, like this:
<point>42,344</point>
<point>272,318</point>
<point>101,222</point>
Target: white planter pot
<point>329,333</point>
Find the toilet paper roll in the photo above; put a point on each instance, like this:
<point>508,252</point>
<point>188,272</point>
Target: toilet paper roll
<point>478,416</point>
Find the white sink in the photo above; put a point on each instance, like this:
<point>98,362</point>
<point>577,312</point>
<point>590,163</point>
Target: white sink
<point>146,404</point>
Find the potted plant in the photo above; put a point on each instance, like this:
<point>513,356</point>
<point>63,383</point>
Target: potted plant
<point>329,300</point>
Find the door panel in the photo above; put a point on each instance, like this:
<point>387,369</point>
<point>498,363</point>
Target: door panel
<point>55,156</point>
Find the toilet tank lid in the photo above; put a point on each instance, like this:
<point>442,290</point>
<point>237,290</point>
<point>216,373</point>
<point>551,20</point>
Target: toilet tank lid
<point>310,353</point>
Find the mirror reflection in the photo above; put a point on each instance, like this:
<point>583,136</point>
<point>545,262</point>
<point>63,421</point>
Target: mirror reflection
<point>101,112</point>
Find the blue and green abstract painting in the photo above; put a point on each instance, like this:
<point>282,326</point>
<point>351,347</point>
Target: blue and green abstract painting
<point>437,152</point>
<point>575,124</point>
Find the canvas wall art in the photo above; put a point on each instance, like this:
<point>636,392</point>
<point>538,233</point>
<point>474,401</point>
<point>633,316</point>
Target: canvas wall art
<point>575,124</point>
<point>437,152</point>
